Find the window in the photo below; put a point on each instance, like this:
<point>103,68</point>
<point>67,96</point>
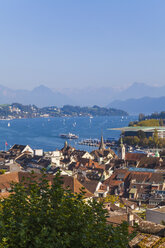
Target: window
<point>101,194</point>
<point>132,196</point>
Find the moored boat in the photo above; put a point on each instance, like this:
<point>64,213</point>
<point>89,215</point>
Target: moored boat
<point>69,136</point>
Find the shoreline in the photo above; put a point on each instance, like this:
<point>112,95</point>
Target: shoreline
<point>63,116</point>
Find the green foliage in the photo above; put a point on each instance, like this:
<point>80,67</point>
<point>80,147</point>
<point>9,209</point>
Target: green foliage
<point>17,110</point>
<point>150,142</point>
<point>95,111</point>
<point>133,123</point>
<point>142,215</point>
<point>2,171</point>
<point>160,115</point>
<point>146,123</point>
<point>136,140</point>
<point>163,222</point>
<point>142,141</point>
<point>112,199</point>
<point>155,137</point>
<point>161,122</point>
<point>38,215</point>
<point>141,134</point>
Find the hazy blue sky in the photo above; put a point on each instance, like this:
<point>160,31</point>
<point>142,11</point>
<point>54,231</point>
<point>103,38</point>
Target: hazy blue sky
<point>73,43</point>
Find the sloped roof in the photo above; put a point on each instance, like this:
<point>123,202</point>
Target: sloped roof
<point>113,207</point>
<point>149,162</point>
<point>113,178</point>
<point>156,178</point>
<point>68,181</point>
<point>147,241</point>
<point>17,147</point>
<point>127,202</point>
<point>78,153</point>
<point>134,156</point>
<point>103,153</point>
<point>78,186</point>
<point>90,185</point>
<point>89,163</point>
<point>117,219</point>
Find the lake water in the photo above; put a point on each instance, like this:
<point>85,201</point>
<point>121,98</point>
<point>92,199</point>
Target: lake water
<point>44,132</point>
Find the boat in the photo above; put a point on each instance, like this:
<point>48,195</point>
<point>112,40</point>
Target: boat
<point>69,136</point>
<point>8,124</point>
<point>74,124</point>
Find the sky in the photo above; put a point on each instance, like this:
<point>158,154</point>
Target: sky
<point>81,43</point>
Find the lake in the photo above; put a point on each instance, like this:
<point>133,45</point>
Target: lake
<point>44,132</point>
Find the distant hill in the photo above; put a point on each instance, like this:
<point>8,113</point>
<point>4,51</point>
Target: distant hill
<point>43,96</point>
<point>91,95</point>
<point>17,110</point>
<point>146,105</point>
<point>102,96</point>
<point>40,96</point>
<point>140,90</point>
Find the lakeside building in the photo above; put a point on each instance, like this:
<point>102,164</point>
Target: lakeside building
<point>149,131</point>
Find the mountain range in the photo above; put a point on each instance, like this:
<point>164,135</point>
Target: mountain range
<point>138,97</point>
<point>40,96</point>
<point>145,105</point>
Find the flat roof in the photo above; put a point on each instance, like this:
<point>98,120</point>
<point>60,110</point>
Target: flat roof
<point>135,129</point>
<point>161,209</point>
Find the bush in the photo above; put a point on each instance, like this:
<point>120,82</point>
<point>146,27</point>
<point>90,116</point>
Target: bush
<point>38,214</point>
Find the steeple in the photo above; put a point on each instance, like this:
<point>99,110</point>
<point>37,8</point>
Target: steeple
<point>121,149</point>
<point>65,144</point>
<point>121,141</point>
<point>102,145</point>
<point>157,155</point>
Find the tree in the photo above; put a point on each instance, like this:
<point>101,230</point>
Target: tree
<point>136,140</point>
<point>161,123</point>
<point>145,142</point>
<point>151,142</point>
<point>141,134</point>
<point>38,214</point>
<point>155,137</point>
<point>2,171</point>
<point>112,199</point>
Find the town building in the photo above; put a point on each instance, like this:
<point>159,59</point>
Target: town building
<point>149,131</point>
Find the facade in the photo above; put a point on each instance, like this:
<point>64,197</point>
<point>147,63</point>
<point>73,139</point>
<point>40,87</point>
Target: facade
<point>149,131</point>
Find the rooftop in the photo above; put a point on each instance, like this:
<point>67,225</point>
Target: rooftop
<point>159,209</point>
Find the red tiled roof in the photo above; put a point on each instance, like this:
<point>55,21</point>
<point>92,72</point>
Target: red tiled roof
<point>15,177</point>
<point>89,163</point>
<point>134,156</point>
<point>117,219</point>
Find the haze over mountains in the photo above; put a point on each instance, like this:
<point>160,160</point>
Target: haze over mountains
<point>138,97</point>
<point>40,96</point>
<point>145,105</point>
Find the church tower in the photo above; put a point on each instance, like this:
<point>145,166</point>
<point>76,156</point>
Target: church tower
<point>121,149</point>
<point>65,144</point>
<point>102,145</point>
